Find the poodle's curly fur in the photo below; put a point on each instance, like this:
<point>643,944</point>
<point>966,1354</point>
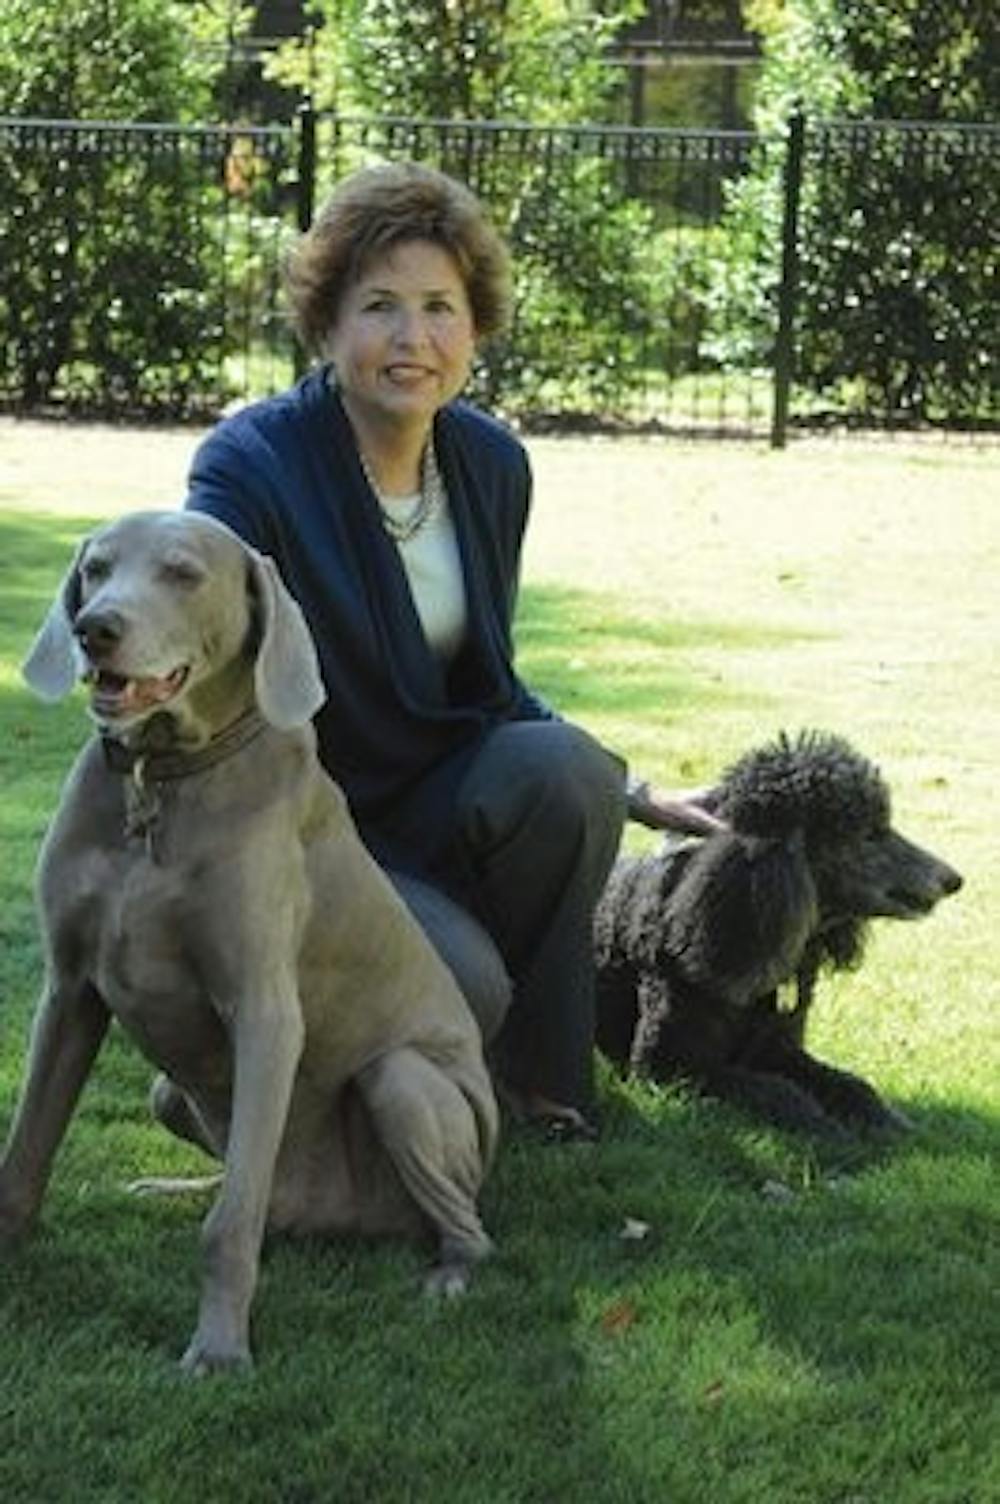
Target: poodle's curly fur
<point>693,943</point>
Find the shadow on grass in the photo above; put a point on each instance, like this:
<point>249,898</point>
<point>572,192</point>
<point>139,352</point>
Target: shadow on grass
<point>35,551</point>
<point>587,652</point>
<point>37,742</point>
<point>746,1320</point>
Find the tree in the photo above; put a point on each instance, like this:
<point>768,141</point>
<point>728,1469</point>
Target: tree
<point>582,252</point>
<point>896,222</point>
<point>112,272</point>
<point>541,60</point>
<point>927,60</point>
<point>111,59</point>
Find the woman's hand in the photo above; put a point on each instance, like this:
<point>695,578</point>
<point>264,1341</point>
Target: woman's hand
<point>687,812</point>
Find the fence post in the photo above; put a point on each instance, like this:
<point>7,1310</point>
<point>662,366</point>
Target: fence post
<point>305,197</point>
<point>784,343</point>
<point>305,172</point>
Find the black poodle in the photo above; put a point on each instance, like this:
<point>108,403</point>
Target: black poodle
<point>693,943</point>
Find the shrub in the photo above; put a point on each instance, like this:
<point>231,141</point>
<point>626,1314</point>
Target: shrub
<point>112,279</point>
<point>895,221</point>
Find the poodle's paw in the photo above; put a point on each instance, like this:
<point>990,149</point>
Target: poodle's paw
<point>888,1122</point>
<point>859,1106</point>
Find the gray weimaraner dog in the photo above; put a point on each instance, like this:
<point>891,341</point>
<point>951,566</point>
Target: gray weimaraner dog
<point>203,882</point>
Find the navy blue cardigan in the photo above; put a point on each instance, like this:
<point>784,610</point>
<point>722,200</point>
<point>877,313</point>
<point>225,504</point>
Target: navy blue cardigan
<point>398,728</point>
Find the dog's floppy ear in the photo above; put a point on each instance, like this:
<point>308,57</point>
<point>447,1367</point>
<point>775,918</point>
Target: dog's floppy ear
<point>52,666</point>
<point>739,919</point>
<point>287,679</point>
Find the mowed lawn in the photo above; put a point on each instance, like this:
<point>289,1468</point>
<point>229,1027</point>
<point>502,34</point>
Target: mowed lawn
<point>837,1342</point>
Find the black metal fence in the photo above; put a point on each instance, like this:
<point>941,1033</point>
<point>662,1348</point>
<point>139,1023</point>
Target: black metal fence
<point>139,271</point>
<point>696,281</point>
<point>614,232</point>
<point>896,315</point>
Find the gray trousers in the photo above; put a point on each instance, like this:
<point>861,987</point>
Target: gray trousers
<point>539,820</point>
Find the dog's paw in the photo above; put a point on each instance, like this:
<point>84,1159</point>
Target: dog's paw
<point>884,1122</point>
<point>447,1281</point>
<point>204,1358</point>
<point>860,1108</point>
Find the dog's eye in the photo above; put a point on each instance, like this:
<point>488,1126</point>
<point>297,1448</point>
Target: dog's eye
<point>95,570</point>
<point>182,572</point>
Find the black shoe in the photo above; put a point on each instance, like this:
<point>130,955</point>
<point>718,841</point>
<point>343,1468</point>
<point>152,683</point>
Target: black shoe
<point>564,1128</point>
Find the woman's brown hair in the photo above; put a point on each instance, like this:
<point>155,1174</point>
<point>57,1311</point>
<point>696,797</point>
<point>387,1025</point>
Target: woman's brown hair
<point>378,208</point>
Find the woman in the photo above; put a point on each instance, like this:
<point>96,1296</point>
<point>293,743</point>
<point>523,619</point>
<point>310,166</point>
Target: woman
<point>395,514</point>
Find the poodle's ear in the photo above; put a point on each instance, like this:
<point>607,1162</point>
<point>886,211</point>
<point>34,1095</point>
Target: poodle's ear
<point>738,921</point>
<point>52,665</point>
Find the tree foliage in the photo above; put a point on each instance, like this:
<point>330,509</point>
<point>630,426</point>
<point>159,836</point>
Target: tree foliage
<point>927,60</point>
<point>924,59</point>
<point>538,60</point>
<point>895,302</point>
<point>581,250</point>
<point>112,274</point>
<point>111,59</point>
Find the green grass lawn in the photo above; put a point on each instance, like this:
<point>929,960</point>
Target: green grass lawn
<point>837,1346</point>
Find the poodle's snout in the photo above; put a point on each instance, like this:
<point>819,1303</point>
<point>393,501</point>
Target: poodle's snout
<point>99,632</point>
<point>913,880</point>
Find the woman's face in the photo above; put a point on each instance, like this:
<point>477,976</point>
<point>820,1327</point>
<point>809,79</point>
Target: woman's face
<point>404,336</point>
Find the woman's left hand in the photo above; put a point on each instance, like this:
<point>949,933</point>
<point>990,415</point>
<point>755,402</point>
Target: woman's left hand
<point>687,813</point>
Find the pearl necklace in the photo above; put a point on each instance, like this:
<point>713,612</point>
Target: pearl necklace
<point>429,502</point>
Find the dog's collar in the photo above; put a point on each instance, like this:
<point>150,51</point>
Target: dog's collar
<point>147,766</point>
<point>148,763</point>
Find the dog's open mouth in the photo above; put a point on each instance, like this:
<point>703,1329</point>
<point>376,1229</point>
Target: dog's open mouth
<point>114,695</point>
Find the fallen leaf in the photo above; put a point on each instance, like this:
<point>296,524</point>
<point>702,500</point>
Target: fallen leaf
<point>617,1318</point>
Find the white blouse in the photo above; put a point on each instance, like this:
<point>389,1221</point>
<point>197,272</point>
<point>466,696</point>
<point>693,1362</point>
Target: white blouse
<point>434,569</point>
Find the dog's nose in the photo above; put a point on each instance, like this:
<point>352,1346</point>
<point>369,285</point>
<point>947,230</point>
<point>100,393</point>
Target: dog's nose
<point>99,632</point>
<point>951,880</point>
